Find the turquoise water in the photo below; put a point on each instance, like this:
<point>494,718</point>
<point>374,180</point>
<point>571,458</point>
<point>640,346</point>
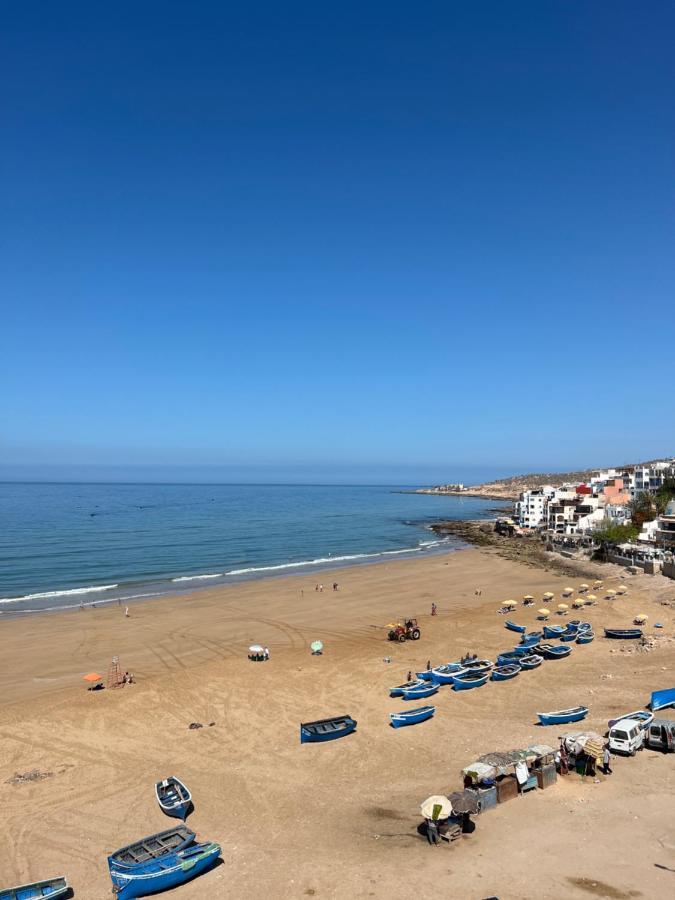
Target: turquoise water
<point>66,544</point>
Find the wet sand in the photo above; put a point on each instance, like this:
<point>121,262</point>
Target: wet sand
<point>334,820</point>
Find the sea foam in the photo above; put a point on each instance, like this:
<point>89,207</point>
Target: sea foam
<point>44,595</point>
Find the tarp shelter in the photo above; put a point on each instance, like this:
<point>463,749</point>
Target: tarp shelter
<point>589,742</point>
<point>491,765</point>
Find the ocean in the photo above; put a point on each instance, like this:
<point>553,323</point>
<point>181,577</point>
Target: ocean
<point>63,545</point>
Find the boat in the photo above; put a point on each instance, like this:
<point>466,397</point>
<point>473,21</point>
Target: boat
<point>159,873</point>
<point>425,675</point>
<point>644,717</point>
<point>49,889</point>
<point>513,627</point>
<point>623,633</point>
<point>478,665</point>
<point>530,662</point>
<point>551,651</point>
<point>563,716</point>
<point>173,797</point>
<point>326,729</point>
<point>661,699</point>
<point>443,674</point>
<point>585,637</point>
<point>469,680</point>
<point>531,638</point>
<point>504,673</point>
<point>412,717</point>
<point>510,657</point>
<point>553,631</point>
<point>398,691</point>
<point>163,843</point>
<point>585,626</point>
<point>419,693</point>
<point>569,636</point>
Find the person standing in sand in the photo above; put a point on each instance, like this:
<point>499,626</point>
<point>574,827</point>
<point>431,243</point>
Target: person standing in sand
<point>126,611</point>
<point>606,759</point>
<point>267,653</point>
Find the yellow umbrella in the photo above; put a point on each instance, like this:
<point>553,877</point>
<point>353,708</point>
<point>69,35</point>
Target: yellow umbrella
<point>583,587</point>
<point>611,593</point>
<point>578,603</point>
<point>567,590</point>
<point>528,597</point>
<point>622,589</point>
<point>591,597</point>
<point>509,603</point>
<point>549,594</point>
<point>563,606</point>
<point>544,613</point>
<point>597,583</point>
<point>640,620</point>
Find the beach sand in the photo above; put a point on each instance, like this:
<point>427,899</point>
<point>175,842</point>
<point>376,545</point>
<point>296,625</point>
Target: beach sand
<point>333,820</point>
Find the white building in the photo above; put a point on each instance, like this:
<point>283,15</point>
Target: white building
<point>531,509</point>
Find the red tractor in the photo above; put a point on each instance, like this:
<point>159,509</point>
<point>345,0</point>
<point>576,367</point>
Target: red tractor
<point>404,631</point>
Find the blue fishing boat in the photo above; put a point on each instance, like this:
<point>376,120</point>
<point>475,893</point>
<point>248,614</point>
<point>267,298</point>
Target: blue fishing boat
<point>585,637</point>
<point>412,717</point>
<point>44,890</point>
<point>551,651</point>
<point>563,716</point>
<point>531,638</point>
<point>398,691</point>
<point>643,717</point>
<point>530,662</point>
<point>444,674</point>
<point>469,680</point>
<point>569,636</point>
<point>173,797</point>
<point>623,633</point>
<point>167,870</point>
<point>509,657</point>
<point>326,729</point>
<point>425,675</point>
<point>504,673</point>
<point>153,847</point>
<point>419,693</point>
<point>662,699</point>
<point>585,626</point>
<point>478,665</point>
<point>513,627</point>
<point>553,631</point>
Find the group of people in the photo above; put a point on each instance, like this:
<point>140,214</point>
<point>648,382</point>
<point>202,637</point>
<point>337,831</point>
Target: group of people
<point>319,587</point>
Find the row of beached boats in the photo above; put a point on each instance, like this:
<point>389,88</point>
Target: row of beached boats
<point>150,865</point>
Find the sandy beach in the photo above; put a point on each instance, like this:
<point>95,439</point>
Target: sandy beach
<point>335,820</point>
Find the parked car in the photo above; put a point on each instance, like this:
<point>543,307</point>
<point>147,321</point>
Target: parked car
<point>626,737</point>
<point>661,735</point>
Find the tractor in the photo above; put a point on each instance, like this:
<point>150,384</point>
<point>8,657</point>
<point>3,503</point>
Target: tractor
<point>404,631</point>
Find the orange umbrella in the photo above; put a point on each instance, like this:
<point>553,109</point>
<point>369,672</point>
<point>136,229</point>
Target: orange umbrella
<point>92,676</point>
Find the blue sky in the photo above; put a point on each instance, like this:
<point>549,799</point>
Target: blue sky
<point>365,237</point>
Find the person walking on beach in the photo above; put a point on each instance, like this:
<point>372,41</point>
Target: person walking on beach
<point>316,587</point>
<point>428,664</point>
<point>126,611</point>
<point>433,609</point>
<point>321,589</point>
<point>409,678</point>
<point>335,585</point>
<point>606,758</point>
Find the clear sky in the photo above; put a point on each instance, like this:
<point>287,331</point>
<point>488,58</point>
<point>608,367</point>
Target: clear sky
<point>336,237</point>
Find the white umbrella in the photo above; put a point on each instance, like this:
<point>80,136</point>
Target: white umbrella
<point>256,648</point>
<point>436,807</point>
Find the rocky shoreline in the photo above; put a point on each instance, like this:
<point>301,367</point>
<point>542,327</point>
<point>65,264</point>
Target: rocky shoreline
<point>528,550</point>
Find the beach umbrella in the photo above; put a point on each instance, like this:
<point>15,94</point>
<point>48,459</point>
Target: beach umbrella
<point>591,597</point>
<point>563,606</point>
<point>611,593</point>
<point>622,589</point>
<point>549,594</point>
<point>566,591</point>
<point>544,613</point>
<point>528,597</point>
<point>316,646</point>
<point>436,807</point>
<point>583,587</point>
<point>578,602</point>
<point>597,583</point>
<point>509,603</point>
<point>256,648</point>
<point>92,676</point>
<point>641,619</point>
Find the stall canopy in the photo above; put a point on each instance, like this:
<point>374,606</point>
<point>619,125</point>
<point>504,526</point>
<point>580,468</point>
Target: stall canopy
<point>498,763</point>
<point>589,742</point>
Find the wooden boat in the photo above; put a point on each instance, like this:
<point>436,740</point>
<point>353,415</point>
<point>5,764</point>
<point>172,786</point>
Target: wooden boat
<point>553,631</point>
<point>569,636</point>
<point>563,716</point>
<point>469,680</point>
<point>623,633</point>
<point>419,693</point>
<point>585,626</point>
<point>153,847</point>
<point>531,638</point>
<point>163,872</point>
<point>412,717</point>
<point>478,665</point>
<point>504,673</point>
<point>585,637</point>
<point>530,662</point>
<point>644,717</point>
<point>444,674</point>
<point>513,627</point>
<point>662,699</point>
<point>510,657</point>
<point>49,889</point>
<point>173,797</point>
<point>398,691</point>
<point>551,651</point>
<point>425,675</point>
<point>326,729</point>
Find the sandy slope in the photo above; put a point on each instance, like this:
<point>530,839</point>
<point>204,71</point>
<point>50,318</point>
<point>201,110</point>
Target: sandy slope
<point>335,820</point>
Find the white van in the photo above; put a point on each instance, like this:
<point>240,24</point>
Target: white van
<point>626,736</point>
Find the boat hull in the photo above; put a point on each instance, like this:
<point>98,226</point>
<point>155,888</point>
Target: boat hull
<point>562,717</point>
<point>165,873</point>
<point>662,699</point>
<point>623,634</point>
<point>505,673</point>
<point>531,662</point>
<point>331,730</point>
<point>420,693</point>
<point>553,631</point>
<point>398,691</point>
<point>585,637</point>
<point>462,684</point>
<point>444,675</point>
<point>644,718</point>
<point>521,629</point>
<point>400,720</point>
<point>179,801</point>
